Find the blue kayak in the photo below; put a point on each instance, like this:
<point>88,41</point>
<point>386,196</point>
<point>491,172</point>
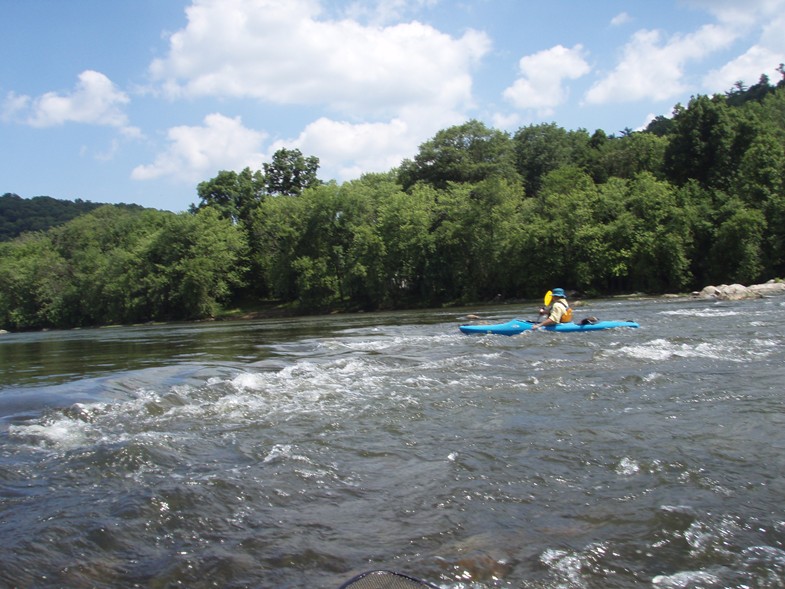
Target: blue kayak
<point>516,326</point>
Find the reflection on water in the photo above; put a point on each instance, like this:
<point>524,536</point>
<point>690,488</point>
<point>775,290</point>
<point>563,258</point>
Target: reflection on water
<point>298,453</point>
<point>59,356</point>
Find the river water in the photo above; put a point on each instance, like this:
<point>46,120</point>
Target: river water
<point>297,453</point>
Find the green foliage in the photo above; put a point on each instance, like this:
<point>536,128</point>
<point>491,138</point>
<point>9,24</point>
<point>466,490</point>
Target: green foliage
<point>660,126</point>
<point>737,253</point>
<point>20,215</point>
<point>627,156</point>
<point>406,244</point>
<point>33,290</point>
<point>701,145</point>
<point>233,195</point>
<point>463,154</point>
<point>120,266</point>
<point>194,259</point>
<point>476,215</point>
<point>290,172</point>
<point>540,149</point>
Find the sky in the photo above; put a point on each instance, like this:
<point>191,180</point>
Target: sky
<point>137,101</point>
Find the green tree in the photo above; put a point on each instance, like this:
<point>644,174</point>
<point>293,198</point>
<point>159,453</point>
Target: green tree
<point>661,126</point>
<point>775,238</point>
<point>761,172</point>
<point>522,245</point>
<point>659,261</point>
<point>404,228</point>
<point>360,263</point>
<point>566,202</point>
<point>737,252</point>
<point>540,149</point>
<point>697,208</point>
<point>465,153</point>
<point>470,237</point>
<point>290,172</point>
<point>304,245</point>
<point>701,145</point>
<point>771,110</point>
<point>190,265</point>
<point>33,284</point>
<point>233,195</point>
<point>627,156</point>
<point>20,215</point>
<point>121,266</point>
<point>100,252</point>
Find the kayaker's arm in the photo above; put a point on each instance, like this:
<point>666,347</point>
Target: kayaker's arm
<point>545,323</point>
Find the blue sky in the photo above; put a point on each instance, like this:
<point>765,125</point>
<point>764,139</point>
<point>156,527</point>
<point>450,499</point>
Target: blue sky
<point>138,101</point>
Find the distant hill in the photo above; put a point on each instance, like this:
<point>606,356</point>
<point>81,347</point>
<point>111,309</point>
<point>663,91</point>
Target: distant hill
<point>20,215</point>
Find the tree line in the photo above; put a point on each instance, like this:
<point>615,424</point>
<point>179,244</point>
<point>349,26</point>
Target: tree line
<point>477,214</point>
<point>22,215</point>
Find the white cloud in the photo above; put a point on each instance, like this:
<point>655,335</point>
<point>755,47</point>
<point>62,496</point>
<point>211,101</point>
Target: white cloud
<point>761,58</point>
<point>649,118</point>
<point>14,106</point>
<point>391,87</point>
<point>386,11</point>
<point>541,85</point>
<point>347,150</point>
<point>741,14</point>
<point>197,153</point>
<point>652,67</point>
<point>281,52</point>
<point>746,68</point>
<point>506,120</point>
<point>620,19</point>
<point>95,100</point>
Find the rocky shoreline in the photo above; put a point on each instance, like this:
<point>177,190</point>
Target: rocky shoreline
<point>738,292</point>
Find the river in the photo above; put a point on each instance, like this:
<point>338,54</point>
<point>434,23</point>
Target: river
<point>297,453</point>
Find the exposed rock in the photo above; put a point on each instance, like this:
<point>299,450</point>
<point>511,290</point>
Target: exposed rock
<point>770,288</point>
<point>727,292</point>
<point>738,292</point>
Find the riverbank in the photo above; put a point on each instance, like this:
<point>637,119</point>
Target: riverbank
<point>247,311</point>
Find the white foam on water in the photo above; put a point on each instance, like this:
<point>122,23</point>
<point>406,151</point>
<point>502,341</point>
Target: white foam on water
<point>701,313</point>
<point>768,557</point>
<point>727,350</point>
<point>686,580</point>
<point>565,565</point>
<point>337,387</point>
<point>283,452</point>
<point>63,433</point>
<point>374,345</point>
<point>89,424</point>
<point>378,344</point>
<point>763,347</point>
<point>249,380</point>
<point>627,467</point>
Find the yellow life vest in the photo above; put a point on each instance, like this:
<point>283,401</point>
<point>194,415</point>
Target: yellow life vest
<point>566,317</point>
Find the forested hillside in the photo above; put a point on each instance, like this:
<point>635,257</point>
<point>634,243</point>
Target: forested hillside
<point>477,214</point>
<point>19,215</point>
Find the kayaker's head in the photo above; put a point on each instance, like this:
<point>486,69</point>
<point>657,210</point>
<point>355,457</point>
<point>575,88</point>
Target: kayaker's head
<point>558,293</point>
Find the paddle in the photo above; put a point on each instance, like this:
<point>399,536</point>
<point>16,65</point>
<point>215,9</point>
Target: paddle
<point>548,298</point>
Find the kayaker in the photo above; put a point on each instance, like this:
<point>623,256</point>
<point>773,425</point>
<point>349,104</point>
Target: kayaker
<point>560,311</point>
